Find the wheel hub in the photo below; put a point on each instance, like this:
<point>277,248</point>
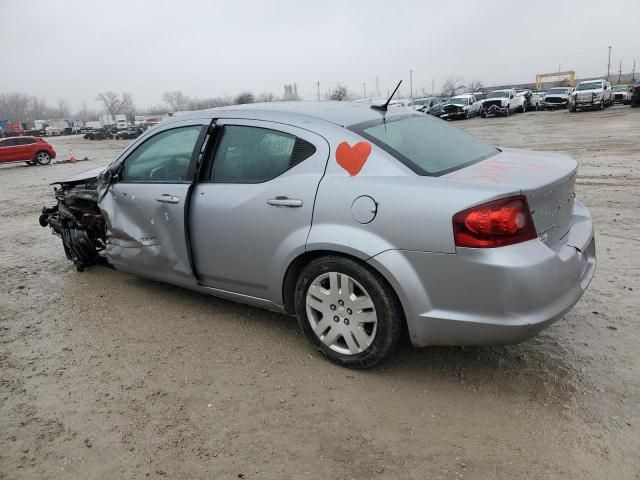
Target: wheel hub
<point>341,313</point>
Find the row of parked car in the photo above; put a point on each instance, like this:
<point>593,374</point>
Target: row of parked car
<point>591,94</point>
<point>128,133</point>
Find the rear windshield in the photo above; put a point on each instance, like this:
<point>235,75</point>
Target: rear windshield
<point>426,144</point>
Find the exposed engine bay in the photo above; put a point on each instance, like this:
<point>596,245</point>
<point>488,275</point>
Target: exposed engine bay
<point>77,220</point>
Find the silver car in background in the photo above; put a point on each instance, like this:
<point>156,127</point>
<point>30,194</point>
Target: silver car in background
<point>361,222</point>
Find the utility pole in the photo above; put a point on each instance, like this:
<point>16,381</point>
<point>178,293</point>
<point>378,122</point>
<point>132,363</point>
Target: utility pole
<point>411,84</point>
<point>633,74</point>
<point>364,90</point>
<point>620,72</point>
<point>433,86</point>
<point>609,63</point>
<point>318,85</point>
<point>377,86</point>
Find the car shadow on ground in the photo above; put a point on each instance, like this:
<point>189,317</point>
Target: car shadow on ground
<point>541,368</point>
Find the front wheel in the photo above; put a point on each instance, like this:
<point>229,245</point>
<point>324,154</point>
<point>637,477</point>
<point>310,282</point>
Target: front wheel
<point>601,107</point>
<point>508,112</point>
<point>348,312</point>
<point>43,158</point>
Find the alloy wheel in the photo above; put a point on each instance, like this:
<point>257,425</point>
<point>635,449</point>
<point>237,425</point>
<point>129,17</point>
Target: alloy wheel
<point>341,313</point>
<point>43,158</point>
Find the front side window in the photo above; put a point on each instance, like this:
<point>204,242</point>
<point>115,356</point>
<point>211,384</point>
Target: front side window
<point>427,145</point>
<point>253,154</point>
<point>164,158</point>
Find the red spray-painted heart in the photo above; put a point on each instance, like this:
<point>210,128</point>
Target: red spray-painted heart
<point>352,159</point>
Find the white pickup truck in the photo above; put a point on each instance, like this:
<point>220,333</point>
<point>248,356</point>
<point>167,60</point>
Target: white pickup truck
<point>591,94</point>
<point>503,102</point>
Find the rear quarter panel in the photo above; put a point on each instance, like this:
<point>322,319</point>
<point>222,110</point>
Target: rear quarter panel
<point>412,212</point>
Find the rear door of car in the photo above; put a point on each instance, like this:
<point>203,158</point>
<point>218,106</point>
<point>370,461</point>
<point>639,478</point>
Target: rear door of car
<point>251,212</point>
<point>145,208</point>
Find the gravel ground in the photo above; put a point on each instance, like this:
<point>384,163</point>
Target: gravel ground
<point>106,375</point>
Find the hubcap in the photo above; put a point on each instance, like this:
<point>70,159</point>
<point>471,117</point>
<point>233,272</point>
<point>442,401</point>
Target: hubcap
<point>341,313</point>
<point>43,158</point>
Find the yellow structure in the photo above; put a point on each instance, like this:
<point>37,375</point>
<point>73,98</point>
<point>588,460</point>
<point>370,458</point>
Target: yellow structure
<point>569,73</point>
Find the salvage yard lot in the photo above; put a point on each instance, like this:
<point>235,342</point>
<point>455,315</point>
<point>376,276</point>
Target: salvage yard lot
<point>106,375</point>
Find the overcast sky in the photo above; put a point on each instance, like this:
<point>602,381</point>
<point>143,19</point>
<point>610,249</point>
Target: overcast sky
<point>73,49</point>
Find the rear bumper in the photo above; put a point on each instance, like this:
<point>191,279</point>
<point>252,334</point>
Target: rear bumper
<point>496,296</point>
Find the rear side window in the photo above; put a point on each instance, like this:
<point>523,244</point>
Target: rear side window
<point>427,145</point>
<point>253,154</point>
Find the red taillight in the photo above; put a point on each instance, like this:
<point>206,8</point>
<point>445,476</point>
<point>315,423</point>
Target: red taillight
<point>494,224</point>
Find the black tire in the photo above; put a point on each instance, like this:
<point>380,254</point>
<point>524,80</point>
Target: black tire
<point>483,114</point>
<point>42,158</point>
<point>390,319</point>
<point>508,112</point>
<point>572,109</point>
<point>523,108</point>
<point>601,106</point>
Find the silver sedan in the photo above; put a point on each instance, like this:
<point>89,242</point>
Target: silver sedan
<point>361,222</point>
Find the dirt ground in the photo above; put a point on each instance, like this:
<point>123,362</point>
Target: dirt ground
<point>106,375</point>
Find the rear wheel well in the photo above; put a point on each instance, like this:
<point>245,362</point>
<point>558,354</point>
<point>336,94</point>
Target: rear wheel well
<point>293,272</point>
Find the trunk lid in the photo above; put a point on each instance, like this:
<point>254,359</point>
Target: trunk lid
<point>547,180</point>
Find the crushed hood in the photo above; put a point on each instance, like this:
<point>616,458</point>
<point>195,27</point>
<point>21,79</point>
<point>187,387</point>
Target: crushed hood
<point>81,177</point>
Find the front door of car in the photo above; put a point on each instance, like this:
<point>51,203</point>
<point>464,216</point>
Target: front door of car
<point>145,208</point>
<point>251,212</point>
<point>10,150</point>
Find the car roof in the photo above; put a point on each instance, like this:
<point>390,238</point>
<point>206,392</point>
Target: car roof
<point>339,113</point>
<point>464,95</point>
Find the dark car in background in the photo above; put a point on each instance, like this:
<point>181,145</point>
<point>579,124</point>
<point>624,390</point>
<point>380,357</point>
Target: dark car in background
<point>436,109</point>
<point>129,133</point>
<point>32,150</point>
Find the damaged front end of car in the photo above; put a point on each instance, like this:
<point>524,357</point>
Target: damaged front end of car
<point>77,220</point>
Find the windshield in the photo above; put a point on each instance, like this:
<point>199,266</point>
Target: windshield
<point>424,101</point>
<point>427,145</point>
<point>589,86</point>
<point>498,94</point>
<point>558,90</point>
<point>620,88</point>
<point>458,101</point>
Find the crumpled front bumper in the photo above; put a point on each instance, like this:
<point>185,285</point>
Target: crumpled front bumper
<point>492,296</point>
<point>453,115</point>
<point>494,109</point>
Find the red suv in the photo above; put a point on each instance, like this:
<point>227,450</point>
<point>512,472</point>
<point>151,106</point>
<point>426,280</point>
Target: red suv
<point>32,150</point>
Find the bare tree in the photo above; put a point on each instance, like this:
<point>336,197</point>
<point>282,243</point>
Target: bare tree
<point>14,106</point>
<point>201,104</point>
<point>38,109</point>
<point>127,107</point>
<point>452,86</point>
<point>339,93</point>
<point>111,102</point>
<point>85,115</point>
<point>475,86</point>
<point>267,97</point>
<point>62,109</point>
<point>176,100</point>
<point>244,97</point>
